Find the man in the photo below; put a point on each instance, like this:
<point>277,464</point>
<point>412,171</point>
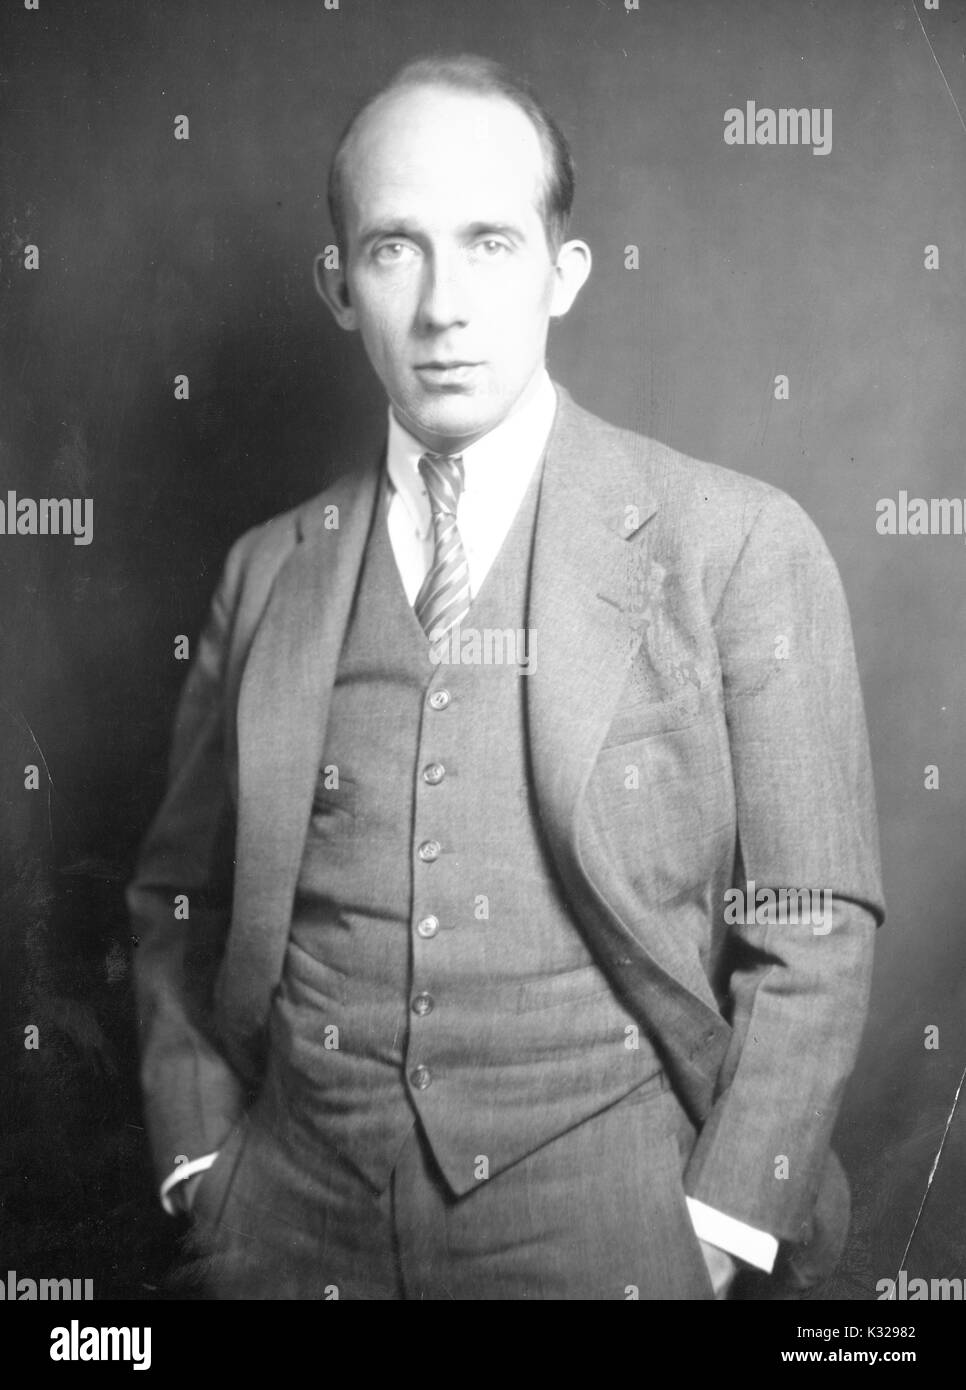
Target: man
<point>440,988</point>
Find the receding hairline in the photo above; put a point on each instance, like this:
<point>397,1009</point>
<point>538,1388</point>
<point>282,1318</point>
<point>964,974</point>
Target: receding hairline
<point>365,118</point>
<point>483,81</point>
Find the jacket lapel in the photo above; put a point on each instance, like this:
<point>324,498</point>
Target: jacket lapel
<point>592,507</point>
<point>589,597</point>
<point>282,712</point>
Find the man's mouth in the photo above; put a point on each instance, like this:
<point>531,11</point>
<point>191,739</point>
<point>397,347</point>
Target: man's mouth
<point>440,369</point>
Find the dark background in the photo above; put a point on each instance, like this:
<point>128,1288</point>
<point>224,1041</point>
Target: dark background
<point>161,257</point>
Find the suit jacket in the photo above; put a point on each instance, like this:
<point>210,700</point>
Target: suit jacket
<point>695,721</point>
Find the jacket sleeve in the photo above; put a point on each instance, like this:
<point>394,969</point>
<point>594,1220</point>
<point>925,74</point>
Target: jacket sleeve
<point>795,993</point>
<point>192,1095</point>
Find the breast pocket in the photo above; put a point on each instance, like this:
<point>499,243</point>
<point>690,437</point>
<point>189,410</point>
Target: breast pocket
<point>660,801</point>
<point>656,717</point>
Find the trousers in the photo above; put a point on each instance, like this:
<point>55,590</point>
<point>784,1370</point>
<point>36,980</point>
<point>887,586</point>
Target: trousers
<point>597,1213</point>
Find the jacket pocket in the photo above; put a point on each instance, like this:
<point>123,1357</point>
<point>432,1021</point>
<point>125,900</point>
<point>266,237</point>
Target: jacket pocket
<point>212,1192</point>
<point>565,987</point>
<point>634,722</point>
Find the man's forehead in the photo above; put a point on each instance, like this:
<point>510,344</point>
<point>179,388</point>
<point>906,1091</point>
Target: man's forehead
<point>430,130</point>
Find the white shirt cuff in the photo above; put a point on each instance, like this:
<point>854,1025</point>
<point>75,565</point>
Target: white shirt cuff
<point>736,1238</point>
<point>183,1171</point>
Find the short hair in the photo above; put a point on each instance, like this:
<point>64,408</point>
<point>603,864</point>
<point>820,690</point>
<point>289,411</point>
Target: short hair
<point>467,72</point>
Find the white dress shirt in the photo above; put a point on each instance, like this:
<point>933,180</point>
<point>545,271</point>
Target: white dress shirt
<point>497,470</point>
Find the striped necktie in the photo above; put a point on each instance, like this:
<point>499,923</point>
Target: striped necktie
<point>443,600</point>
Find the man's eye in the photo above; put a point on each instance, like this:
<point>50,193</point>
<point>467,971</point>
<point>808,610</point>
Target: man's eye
<point>391,252</point>
<point>491,247</point>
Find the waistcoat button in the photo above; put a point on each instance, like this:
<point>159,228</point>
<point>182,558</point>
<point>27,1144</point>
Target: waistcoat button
<point>423,1004</point>
<point>439,699</point>
<point>433,773</point>
<point>429,850</point>
<point>427,927</point>
<point>420,1077</point>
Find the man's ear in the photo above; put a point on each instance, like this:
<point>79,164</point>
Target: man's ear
<point>571,270</point>
<point>332,286</point>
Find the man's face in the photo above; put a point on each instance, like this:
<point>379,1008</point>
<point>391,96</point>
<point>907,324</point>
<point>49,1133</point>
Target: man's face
<point>448,275</point>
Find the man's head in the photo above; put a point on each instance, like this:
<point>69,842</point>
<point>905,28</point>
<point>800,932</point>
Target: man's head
<point>450,192</point>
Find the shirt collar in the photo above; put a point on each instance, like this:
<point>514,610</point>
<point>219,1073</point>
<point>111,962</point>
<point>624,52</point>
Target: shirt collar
<point>510,449</point>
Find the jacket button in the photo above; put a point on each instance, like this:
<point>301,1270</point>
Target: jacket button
<point>429,850</point>
<point>427,927</point>
<point>423,1004</point>
<point>420,1077</point>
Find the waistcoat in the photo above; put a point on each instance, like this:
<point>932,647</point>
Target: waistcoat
<point>435,973</point>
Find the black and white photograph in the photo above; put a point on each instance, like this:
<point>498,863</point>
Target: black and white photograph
<point>483,611</point>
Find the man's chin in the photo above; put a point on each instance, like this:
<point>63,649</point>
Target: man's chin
<point>451,419</point>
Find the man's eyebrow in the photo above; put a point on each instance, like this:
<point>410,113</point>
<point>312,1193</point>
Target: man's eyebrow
<point>495,228</point>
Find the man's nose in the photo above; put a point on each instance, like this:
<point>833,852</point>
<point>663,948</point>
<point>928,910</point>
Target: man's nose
<point>445,292</point>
